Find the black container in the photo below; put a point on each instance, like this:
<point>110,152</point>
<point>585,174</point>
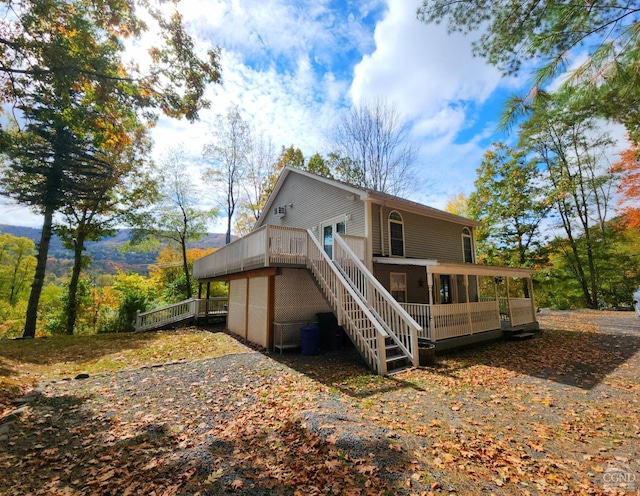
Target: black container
<point>330,332</point>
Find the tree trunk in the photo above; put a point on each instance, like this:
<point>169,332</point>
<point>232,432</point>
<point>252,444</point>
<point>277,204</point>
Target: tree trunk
<point>228,237</point>
<point>72,304</point>
<point>185,267</point>
<point>38,279</point>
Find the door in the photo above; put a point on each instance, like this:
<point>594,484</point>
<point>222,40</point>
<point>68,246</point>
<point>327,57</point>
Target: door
<point>328,228</point>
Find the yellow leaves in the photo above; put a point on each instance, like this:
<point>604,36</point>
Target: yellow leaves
<point>69,33</point>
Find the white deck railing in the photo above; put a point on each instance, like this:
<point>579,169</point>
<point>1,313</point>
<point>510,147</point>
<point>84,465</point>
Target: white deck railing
<point>177,312</point>
<point>520,311</point>
<point>464,319</point>
<point>261,248</point>
<point>402,328</point>
<point>363,327</point>
<point>357,244</point>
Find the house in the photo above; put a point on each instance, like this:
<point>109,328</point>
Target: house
<point>391,270</point>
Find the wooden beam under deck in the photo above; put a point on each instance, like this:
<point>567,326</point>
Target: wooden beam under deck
<point>264,272</point>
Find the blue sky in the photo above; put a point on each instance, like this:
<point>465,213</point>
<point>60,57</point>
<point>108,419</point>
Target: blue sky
<point>293,66</point>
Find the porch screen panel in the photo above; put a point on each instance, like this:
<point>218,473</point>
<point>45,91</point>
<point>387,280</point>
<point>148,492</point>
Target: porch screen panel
<point>258,329</point>
<point>236,318</point>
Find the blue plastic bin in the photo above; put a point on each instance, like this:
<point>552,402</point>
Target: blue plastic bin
<point>310,340</point>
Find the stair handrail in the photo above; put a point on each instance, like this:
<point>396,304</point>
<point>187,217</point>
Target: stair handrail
<point>146,320</point>
<point>336,301</point>
<point>402,328</point>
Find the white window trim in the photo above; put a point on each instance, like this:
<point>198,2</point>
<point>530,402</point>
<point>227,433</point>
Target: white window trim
<point>473,251</point>
<point>392,275</point>
<point>333,221</point>
<point>404,245</point>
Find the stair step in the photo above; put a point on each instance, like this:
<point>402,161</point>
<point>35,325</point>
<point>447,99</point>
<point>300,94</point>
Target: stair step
<point>521,335</point>
<point>396,358</point>
<point>398,370</point>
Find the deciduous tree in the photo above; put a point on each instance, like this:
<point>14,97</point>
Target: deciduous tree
<point>573,152</point>
<point>261,167</point>
<point>509,200</point>
<point>629,188</point>
<point>229,154</point>
<point>17,264</point>
<point>178,216</point>
<point>64,72</point>
<point>375,141</point>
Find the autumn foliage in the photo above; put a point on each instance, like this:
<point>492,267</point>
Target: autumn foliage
<point>629,189</point>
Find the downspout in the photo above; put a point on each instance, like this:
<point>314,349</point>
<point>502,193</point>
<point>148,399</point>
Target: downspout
<point>368,229</point>
<point>381,232</point>
<point>430,288</point>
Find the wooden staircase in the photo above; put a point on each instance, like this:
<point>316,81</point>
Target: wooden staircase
<point>380,328</point>
<point>397,360</point>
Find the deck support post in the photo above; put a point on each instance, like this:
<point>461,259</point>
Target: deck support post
<point>430,289</point>
<point>533,302</point>
<point>509,303</point>
<point>468,304</point>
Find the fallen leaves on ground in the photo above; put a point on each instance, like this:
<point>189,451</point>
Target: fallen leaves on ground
<point>551,415</point>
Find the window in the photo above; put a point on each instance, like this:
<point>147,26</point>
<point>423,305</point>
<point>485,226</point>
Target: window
<point>467,246</point>
<point>398,285</point>
<point>396,235</point>
<point>445,289</point>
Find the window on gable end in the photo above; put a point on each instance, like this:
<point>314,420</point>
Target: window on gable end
<point>396,235</point>
<point>467,246</point>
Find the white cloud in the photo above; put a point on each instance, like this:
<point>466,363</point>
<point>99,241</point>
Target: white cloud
<point>292,66</point>
<point>421,67</point>
<point>435,82</point>
<point>18,215</point>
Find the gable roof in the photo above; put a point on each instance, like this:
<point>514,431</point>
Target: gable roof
<point>367,194</point>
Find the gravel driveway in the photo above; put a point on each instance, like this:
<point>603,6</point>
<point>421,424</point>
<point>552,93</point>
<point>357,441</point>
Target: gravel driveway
<point>558,414</point>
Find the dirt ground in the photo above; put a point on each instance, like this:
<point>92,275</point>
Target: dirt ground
<point>556,414</point>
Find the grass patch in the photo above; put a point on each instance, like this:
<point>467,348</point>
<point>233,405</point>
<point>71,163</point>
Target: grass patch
<point>24,363</point>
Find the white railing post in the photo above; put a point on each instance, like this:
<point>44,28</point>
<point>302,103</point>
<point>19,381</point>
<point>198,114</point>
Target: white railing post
<point>267,239</point>
<point>368,334</point>
<point>381,355</point>
<point>394,319</point>
<point>533,303</point>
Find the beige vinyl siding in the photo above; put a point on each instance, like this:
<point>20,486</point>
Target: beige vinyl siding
<point>313,202</point>
<point>424,236</point>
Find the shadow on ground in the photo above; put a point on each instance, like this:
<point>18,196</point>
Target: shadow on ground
<point>582,357</point>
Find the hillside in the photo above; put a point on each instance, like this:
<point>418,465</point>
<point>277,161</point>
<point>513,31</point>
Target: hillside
<point>107,255</point>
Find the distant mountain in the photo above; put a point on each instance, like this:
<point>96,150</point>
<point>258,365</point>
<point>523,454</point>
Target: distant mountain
<point>106,254</point>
